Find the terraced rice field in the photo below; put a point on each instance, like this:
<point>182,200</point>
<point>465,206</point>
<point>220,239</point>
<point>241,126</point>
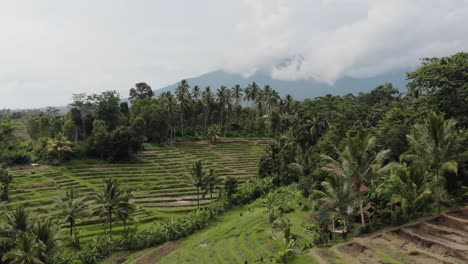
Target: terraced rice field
<point>440,239</point>
<point>160,181</point>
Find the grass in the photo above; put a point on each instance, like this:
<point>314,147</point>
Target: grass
<point>162,189</point>
<point>240,235</point>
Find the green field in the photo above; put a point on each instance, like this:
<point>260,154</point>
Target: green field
<point>162,189</point>
<point>242,235</point>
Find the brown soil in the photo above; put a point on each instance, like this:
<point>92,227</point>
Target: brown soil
<point>439,239</point>
<point>156,255</point>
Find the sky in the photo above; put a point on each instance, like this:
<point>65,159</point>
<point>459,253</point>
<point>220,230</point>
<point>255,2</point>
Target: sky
<point>51,49</point>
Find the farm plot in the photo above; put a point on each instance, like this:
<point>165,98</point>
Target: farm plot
<point>440,239</point>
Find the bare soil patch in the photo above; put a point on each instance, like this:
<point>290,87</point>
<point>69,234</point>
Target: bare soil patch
<point>156,255</point>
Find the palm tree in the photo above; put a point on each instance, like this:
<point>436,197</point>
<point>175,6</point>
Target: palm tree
<point>252,93</point>
<point>207,101</point>
<point>5,181</point>
<point>359,163</point>
<point>412,184</point>
<point>197,176</point>
<point>237,95</point>
<point>47,233</point>
<point>272,200</point>
<point>59,147</point>
<point>214,133</point>
<point>109,200</point>
<point>338,193</point>
<point>433,145</point>
<point>73,207</point>
<point>171,105</point>
<point>221,94</point>
<point>212,180</point>
<point>27,251</point>
<point>196,92</point>
<point>183,96</point>
<point>228,101</point>
<point>126,208</point>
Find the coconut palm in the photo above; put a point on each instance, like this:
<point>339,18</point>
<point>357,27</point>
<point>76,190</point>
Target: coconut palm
<point>48,234</point>
<point>208,99</point>
<point>196,92</point>
<point>212,180</point>
<point>126,208</point>
<point>338,193</point>
<point>272,200</point>
<point>412,184</point>
<point>214,133</point>
<point>359,163</point>
<point>73,207</point>
<point>27,251</point>
<point>109,200</point>
<point>59,147</point>
<point>197,174</point>
<point>221,93</point>
<point>171,106</point>
<point>183,96</point>
<point>433,145</point>
<point>5,181</point>
<point>236,92</point>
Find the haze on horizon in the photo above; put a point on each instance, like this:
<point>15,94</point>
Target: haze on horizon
<point>50,50</point>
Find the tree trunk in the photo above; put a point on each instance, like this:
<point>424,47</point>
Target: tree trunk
<point>225,123</point>
<point>198,197</point>
<point>363,221</point>
<point>439,194</point>
<point>71,228</point>
<point>76,134</point>
<point>84,128</point>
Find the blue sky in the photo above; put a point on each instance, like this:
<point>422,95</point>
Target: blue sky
<point>52,49</point>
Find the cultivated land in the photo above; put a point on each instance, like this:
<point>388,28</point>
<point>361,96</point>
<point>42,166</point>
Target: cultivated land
<point>160,180</point>
<point>439,239</point>
<point>242,235</point>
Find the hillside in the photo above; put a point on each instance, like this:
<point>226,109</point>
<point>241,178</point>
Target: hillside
<point>299,89</point>
<point>161,181</point>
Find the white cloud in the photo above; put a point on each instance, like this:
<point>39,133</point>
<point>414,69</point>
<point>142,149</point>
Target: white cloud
<point>51,49</point>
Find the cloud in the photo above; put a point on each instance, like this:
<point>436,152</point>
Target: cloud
<point>52,49</point>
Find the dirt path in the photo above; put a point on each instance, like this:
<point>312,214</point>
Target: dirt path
<point>155,255</point>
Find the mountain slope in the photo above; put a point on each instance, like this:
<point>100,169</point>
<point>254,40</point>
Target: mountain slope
<point>299,89</point>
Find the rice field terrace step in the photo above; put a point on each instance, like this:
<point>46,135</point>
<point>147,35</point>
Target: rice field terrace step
<point>168,199</point>
<point>177,204</point>
<point>434,244</point>
<point>453,222</point>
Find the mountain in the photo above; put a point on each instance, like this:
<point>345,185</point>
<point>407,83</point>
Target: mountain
<point>299,89</point>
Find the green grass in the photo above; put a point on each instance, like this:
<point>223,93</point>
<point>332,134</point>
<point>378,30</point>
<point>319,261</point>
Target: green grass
<point>242,234</point>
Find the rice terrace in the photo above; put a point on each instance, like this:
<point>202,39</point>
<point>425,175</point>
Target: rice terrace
<point>164,191</point>
<point>234,132</point>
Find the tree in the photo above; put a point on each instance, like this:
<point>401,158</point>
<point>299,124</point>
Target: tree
<point>126,207</point>
<point>412,184</point>
<point>100,137</point>
<point>109,200</point>
<point>338,193</point>
<point>183,98</point>
<point>5,181</point>
<point>207,101</point>
<point>141,91</point>
<point>214,133</point>
<point>212,180</point>
<point>237,95</point>
<point>197,174</point>
<point>27,251</point>
<point>47,234</point>
<point>73,207</point>
<point>433,145</point>
<point>59,147</point>
<point>360,164</point>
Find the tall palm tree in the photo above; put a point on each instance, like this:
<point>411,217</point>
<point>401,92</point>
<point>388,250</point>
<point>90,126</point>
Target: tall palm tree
<point>207,101</point>
<point>59,147</point>
<point>360,164</point>
<point>433,145</point>
<point>338,193</point>
<point>212,181</point>
<point>228,101</point>
<point>222,94</point>
<point>27,251</point>
<point>109,200</point>
<point>197,176</point>
<point>171,106</point>
<point>196,92</point>
<point>126,207</point>
<point>237,95</point>
<point>183,96</point>
<point>73,207</point>
<point>252,93</point>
